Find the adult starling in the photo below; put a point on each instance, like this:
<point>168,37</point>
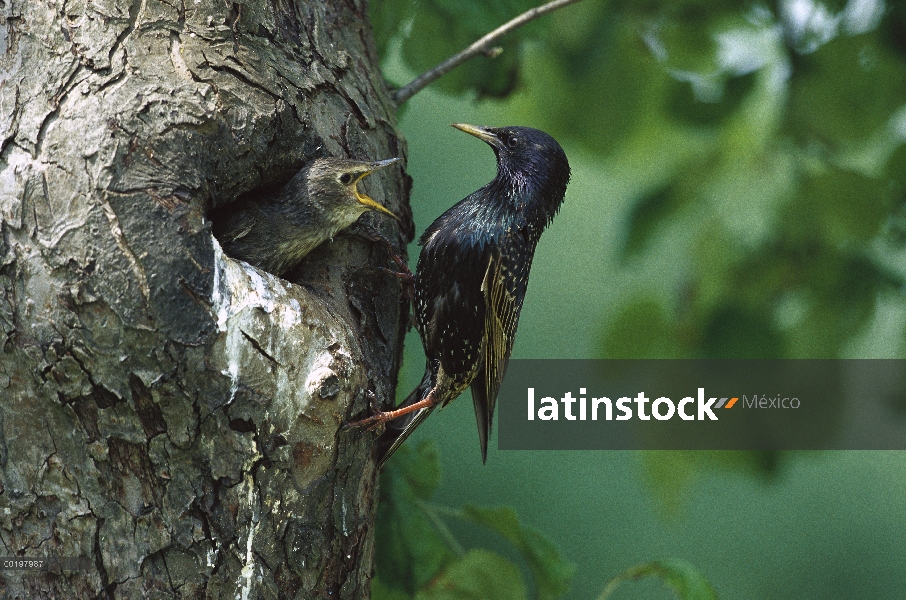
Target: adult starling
<point>471,279</point>
<point>277,231</point>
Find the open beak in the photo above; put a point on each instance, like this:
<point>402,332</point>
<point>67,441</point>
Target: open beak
<point>482,133</point>
<point>366,200</point>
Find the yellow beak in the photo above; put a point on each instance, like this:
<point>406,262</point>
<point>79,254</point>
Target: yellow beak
<point>479,132</point>
<point>366,200</point>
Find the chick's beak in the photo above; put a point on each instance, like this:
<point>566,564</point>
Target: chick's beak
<point>366,200</point>
<point>482,133</point>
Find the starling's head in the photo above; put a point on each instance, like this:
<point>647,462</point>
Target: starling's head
<point>334,183</point>
<point>527,159</point>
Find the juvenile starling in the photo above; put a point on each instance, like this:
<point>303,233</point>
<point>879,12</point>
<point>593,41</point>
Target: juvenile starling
<point>276,232</point>
<point>471,279</point>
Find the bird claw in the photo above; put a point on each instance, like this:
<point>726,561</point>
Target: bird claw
<point>376,414</point>
<point>373,401</point>
<point>368,422</point>
<point>404,273</point>
<point>407,279</point>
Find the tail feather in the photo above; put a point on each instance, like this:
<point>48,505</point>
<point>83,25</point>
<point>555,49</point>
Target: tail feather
<point>399,429</point>
<point>484,415</point>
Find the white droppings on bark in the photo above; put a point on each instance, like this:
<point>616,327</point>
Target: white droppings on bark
<point>20,166</point>
<point>248,568</point>
<point>239,289</point>
<point>320,373</point>
<point>117,232</point>
<point>179,64</point>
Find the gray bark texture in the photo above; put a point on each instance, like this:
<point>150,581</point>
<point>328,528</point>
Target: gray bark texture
<point>168,413</point>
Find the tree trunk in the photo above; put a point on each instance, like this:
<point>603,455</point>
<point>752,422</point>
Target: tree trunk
<point>166,412</point>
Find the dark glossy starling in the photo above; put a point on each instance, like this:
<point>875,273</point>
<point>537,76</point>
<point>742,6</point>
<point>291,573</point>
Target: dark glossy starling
<point>276,232</point>
<point>471,279</point>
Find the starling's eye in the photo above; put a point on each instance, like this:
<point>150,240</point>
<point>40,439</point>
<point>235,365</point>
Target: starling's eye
<point>513,141</point>
<point>345,178</point>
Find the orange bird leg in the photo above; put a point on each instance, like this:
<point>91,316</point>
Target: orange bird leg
<point>382,416</point>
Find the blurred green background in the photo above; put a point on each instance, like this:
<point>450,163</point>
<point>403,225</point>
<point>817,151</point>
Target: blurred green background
<point>738,190</point>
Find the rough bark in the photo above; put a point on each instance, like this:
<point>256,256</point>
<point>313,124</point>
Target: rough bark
<point>168,412</point>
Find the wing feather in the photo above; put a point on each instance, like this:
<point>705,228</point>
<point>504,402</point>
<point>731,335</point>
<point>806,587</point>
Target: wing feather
<point>501,318</point>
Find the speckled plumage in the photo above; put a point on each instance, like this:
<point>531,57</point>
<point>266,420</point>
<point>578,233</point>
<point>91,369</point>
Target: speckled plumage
<point>472,276</point>
<point>275,232</point>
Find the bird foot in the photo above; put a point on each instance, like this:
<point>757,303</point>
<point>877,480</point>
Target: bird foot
<point>407,279</point>
<point>374,236</point>
<point>381,416</point>
<point>404,273</point>
<point>404,277</point>
<point>370,421</point>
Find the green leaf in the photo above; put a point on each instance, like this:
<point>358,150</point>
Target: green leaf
<point>412,556</point>
<point>409,550</point>
<point>848,207</point>
<point>829,104</point>
<point>479,575</point>
<point>679,575</point>
<point>646,218</point>
<point>551,573</point>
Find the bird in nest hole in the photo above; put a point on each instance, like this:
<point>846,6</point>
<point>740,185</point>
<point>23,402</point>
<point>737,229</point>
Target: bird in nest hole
<point>276,231</point>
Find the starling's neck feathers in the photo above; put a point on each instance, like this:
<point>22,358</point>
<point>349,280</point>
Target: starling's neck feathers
<point>525,200</point>
<point>535,187</point>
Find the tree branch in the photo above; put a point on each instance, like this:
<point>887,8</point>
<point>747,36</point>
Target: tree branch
<point>481,46</point>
